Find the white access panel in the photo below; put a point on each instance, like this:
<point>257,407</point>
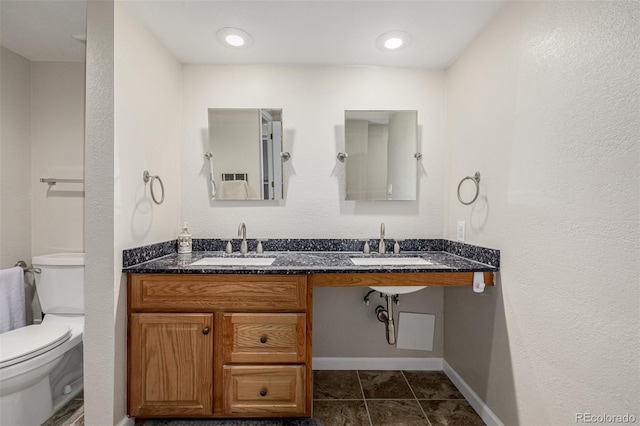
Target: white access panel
<point>415,331</point>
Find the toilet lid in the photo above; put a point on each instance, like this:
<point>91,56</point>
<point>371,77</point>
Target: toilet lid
<point>27,342</point>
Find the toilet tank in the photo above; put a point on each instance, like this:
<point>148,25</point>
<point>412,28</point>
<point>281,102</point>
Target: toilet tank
<point>60,283</point>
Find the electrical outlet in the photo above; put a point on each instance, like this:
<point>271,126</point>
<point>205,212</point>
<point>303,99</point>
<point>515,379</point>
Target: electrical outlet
<point>461,228</point>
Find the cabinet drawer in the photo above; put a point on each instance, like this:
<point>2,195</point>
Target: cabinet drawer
<point>208,292</point>
<point>264,389</point>
<point>264,338</point>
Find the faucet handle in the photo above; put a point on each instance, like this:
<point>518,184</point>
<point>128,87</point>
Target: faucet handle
<point>228,248</point>
<point>396,246</point>
<point>382,230</point>
<point>365,249</point>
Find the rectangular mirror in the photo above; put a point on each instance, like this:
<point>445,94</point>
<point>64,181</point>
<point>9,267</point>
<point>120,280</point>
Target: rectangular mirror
<point>381,148</point>
<point>245,146</point>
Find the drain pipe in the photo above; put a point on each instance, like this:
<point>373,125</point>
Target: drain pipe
<point>386,316</point>
<point>391,327</point>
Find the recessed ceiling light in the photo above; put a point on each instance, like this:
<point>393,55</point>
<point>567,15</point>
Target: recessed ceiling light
<point>393,40</point>
<point>235,37</point>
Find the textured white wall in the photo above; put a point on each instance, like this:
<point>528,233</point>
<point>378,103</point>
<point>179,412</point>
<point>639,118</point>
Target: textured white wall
<point>313,100</point>
<point>57,150</point>
<point>545,104</point>
<point>15,159</point>
<point>147,137</point>
<point>133,124</point>
<point>100,375</point>
<point>147,103</point>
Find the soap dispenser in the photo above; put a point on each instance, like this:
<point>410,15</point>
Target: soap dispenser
<point>184,240</point>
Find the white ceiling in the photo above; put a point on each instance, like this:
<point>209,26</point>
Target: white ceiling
<point>41,30</point>
<point>284,32</point>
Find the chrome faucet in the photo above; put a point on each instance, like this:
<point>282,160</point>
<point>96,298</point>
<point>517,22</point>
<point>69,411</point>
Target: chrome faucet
<point>242,232</point>
<point>381,246</point>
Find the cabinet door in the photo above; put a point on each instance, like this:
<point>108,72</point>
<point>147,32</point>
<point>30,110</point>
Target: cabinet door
<point>170,364</point>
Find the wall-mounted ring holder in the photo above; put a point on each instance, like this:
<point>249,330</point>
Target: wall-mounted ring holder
<point>285,156</point>
<point>476,179</point>
<point>146,177</point>
<point>341,156</point>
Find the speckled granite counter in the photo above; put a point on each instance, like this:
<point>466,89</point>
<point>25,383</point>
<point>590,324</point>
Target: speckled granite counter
<point>308,262</point>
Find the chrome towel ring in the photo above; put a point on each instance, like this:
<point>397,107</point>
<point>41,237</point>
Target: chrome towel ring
<point>476,179</point>
<point>146,176</point>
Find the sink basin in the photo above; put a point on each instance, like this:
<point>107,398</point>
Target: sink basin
<point>235,261</point>
<point>388,261</point>
<point>391,261</point>
<point>401,289</point>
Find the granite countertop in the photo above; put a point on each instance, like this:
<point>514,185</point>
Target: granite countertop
<point>308,262</point>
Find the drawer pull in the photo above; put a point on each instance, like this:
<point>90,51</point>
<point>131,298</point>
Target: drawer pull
<point>263,392</point>
<point>263,339</point>
<point>205,330</point>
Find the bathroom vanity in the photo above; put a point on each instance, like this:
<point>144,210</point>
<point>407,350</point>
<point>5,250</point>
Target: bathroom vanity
<point>219,345</point>
<point>216,340</point>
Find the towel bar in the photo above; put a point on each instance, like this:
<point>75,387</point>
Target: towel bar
<point>53,181</point>
<point>146,177</point>
<point>23,265</point>
<point>476,179</point>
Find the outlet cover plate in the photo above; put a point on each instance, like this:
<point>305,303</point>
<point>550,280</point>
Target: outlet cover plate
<point>461,230</point>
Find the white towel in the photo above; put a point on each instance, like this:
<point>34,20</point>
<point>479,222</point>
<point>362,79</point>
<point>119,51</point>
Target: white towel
<point>13,312</point>
<point>233,190</point>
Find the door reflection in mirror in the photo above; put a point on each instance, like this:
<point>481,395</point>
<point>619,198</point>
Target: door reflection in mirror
<point>381,148</point>
<point>246,145</point>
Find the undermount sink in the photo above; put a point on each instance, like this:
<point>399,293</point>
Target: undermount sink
<point>401,289</point>
<point>388,261</point>
<point>391,261</point>
<point>235,261</point>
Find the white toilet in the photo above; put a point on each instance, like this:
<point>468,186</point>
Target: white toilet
<point>41,365</point>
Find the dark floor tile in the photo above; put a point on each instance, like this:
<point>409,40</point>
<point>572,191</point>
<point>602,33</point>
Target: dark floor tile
<point>391,412</point>
<point>70,412</point>
<point>79,422</point>
<point>384,384</point>
<point>451,412</point>
<point>341,413</point>
<point>432,385</point>
<point>336,384</point>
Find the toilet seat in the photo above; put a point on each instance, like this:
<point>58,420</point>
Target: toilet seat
<point>28,342</point>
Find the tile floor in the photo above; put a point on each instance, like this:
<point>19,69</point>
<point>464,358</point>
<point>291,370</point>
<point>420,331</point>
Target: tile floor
<point>386,398</point>
<point>363,398</point>
<point>72,414</point>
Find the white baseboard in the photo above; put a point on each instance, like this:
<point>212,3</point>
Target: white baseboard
<point>126,421</point>
<point>476,402</point>
<point>334,363</point>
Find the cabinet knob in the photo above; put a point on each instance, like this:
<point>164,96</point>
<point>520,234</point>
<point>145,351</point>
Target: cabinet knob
<point>205,330</point>
<point>263,392</point>
<point>263,339</point>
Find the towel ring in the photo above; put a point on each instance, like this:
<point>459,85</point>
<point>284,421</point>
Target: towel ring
<point>146,176</point>
<point>476,179</point>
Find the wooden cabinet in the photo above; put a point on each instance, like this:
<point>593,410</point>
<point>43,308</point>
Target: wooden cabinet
<point>171,364</point>
<point>219,346</point>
